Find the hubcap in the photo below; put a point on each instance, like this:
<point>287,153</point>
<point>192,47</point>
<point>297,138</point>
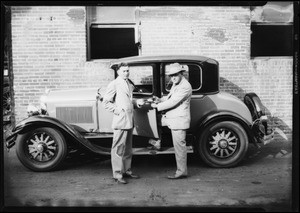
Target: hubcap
<point>41,147</point>
<point>223,143</point>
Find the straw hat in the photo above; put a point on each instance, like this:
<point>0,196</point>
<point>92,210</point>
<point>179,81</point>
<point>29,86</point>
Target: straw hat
<point>175,68</point>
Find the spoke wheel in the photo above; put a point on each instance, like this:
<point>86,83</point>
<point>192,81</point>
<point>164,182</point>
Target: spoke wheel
<point>42,149</point>
<point>223,144</point>
<point>6,99</point>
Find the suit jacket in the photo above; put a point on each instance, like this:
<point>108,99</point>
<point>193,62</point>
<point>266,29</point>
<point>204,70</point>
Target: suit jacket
<point>177,104</point>
<point>118,99</point>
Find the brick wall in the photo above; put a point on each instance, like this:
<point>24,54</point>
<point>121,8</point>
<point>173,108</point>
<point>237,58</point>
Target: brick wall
<point>272,81</point>
<point>223,33</point>
<point>49,51</point>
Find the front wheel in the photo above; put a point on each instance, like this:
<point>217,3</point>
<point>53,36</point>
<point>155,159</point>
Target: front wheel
<point>41,149</point>
<point>223,144</point>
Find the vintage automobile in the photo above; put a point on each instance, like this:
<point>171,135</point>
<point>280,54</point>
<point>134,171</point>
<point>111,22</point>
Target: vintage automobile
<point>221,127</point>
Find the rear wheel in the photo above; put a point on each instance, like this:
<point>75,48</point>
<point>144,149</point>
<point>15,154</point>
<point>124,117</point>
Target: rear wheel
<point>223,144</point>
<point>42,149</point>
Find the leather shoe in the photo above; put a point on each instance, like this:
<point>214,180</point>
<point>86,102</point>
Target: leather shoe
<point>128,175</point>
<point>177,176</point>
<point>120,180</point>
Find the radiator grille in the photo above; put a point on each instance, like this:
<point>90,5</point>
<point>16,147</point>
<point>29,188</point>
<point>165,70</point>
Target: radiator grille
<point>75,114</point>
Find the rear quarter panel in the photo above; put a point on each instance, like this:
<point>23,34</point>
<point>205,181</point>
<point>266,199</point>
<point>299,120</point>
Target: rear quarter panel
<point>203,105</point>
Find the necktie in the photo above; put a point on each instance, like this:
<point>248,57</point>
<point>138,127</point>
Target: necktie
<point>129,91</point>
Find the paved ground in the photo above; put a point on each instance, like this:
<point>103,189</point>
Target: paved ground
<point>262,182</point>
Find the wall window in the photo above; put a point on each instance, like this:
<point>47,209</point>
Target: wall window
<point>112,32</point>
<point>272,29</point>
<point>271,40</point>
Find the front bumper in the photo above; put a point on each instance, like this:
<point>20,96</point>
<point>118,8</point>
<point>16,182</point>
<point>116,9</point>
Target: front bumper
<point>10,140</point>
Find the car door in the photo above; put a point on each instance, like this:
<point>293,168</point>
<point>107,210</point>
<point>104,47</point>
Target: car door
<point>145,121</point>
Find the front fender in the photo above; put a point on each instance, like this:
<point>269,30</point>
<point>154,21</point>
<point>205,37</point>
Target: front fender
<point>34,122</point>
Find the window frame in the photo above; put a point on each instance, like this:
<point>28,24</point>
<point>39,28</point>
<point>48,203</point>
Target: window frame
<point>139,94</point>
<point>163,79</point>
<point>153,85</point>
<point>91,23</point>
<point>269,24</point>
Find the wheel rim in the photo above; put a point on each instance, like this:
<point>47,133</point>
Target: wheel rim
<point>42,147</point>
<point>223,143</point>
<point>6,101</point>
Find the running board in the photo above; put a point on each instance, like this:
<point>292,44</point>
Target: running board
<point>164,150</point>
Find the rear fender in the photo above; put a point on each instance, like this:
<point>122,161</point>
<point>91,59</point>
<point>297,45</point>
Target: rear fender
<point>226,116</point>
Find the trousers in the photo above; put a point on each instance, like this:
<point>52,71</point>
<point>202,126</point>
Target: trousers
<point>179,144</point>
<point>121,152</point>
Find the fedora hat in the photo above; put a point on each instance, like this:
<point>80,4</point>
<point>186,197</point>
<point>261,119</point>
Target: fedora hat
<point>175,68</point>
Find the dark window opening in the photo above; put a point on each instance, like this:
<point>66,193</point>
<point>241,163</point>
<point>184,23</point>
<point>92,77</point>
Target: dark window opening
<point>271,40</point>
<point>112,32</point>
<point>109,43</point>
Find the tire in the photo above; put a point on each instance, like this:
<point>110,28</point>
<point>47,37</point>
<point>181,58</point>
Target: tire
<point>6,99</point>
<point>41,149</point>
<point>223,144</point>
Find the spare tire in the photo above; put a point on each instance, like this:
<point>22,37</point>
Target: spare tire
<point>254,104</point>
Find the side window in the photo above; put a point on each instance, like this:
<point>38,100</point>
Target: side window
<point>142,77</point>
<point>112,32</point>
<point>193,75</point>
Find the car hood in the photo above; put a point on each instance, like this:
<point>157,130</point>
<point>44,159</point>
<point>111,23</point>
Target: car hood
<point>82,94</point>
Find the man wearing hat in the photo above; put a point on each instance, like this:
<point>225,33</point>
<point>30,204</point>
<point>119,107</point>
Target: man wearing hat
<point>177,116</point>
<point>118,99</point>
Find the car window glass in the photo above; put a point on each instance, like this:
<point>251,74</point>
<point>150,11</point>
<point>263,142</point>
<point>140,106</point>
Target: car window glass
<point>142,77</point>
<point>193,75</point>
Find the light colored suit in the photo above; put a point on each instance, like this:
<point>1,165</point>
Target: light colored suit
<point>177,118</point>
<point>118,99</point>
<point>177,104</point>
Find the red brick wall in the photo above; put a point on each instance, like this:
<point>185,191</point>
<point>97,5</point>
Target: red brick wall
<point>49,51</point>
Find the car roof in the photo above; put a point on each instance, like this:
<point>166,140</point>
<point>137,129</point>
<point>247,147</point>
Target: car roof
<point>162,58</point>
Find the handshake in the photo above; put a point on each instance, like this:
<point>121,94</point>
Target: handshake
<point>150,101</point>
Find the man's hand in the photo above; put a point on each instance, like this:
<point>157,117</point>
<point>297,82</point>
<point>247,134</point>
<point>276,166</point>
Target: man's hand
<point>118,110</point>
<point>140,103</point>
<point>154,105</point>
<point>156,99</point>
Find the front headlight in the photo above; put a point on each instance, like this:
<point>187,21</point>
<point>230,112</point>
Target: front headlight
<point>43,102</point>
<point>32,110</point>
